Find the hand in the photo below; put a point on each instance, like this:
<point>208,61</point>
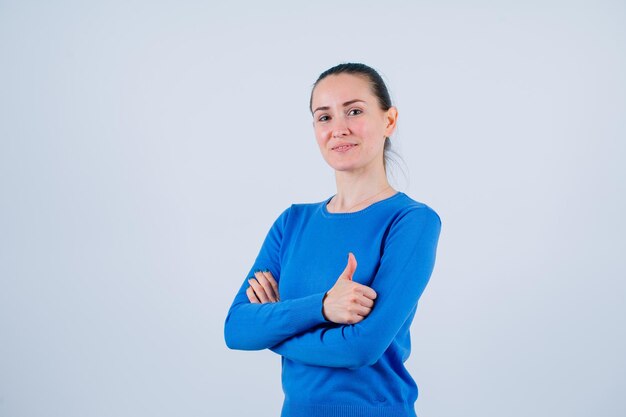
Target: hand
<point>348,302</point>
<point>263,288</point>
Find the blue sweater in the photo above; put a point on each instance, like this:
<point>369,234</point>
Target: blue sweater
<point>330,369</point>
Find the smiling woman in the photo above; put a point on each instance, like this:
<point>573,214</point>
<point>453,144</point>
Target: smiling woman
<point>342,331</point>
<point>357,104</point>
<point>352,127</point>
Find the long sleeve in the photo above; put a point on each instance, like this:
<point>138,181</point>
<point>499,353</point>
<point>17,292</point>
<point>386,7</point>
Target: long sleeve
<point>406,264</point>
<point>259,326</point>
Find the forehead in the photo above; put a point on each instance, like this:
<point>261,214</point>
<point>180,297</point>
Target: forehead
<point>339,88</point>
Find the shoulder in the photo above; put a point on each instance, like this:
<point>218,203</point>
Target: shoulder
<point>295,212</point>
<point>416,210</point>
<point>299,210</point>
<point>415,216</point>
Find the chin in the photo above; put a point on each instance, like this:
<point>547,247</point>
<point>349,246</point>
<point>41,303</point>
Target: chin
<point>343,167</point>
<point>343,164</point>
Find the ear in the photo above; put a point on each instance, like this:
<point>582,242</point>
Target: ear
<point>391,117</point>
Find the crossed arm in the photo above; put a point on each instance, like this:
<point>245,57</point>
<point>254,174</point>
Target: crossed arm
<point>297,329</point>
<point>347,302</point>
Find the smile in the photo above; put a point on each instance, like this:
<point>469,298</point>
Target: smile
<point>343,148</point>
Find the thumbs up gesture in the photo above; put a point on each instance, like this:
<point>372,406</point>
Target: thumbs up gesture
<point>348,302</point>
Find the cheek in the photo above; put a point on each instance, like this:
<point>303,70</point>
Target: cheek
<point>320,135</point>
<point>372,136</point>
<point>362,127</point>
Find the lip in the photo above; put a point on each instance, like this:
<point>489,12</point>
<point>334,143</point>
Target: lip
<point>338,145</point>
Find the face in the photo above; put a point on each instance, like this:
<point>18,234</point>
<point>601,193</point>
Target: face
<point>350,127</point>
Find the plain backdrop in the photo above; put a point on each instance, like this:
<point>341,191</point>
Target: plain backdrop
<point>146,147</point>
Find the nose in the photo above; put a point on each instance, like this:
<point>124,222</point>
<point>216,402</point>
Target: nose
<point>340,129</point>
<point>340,133</point>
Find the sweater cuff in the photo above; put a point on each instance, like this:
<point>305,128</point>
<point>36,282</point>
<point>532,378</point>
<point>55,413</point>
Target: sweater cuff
<point>308,312</point>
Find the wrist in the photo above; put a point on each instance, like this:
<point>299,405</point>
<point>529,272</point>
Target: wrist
<point>324,299</point>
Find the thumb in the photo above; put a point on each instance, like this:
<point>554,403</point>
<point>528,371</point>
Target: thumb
<point>350,268</point>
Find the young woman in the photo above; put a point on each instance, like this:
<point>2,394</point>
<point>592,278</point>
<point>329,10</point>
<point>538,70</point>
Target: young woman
<point>342,329</point>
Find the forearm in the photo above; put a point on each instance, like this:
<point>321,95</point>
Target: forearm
<point>326,346</point>
<point>259,326</point>
<point>349,346</point>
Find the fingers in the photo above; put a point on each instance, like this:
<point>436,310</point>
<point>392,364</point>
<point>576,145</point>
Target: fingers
<point>252,296</point>
<point>264,287</point>
<point>258,290</point>
<point>362,311</point>
<point>367,291</point>
<point>365,302</point>
<point>269,284</point>
<point>355,317</point>
<point>271,279</point>
<point>360,305</point>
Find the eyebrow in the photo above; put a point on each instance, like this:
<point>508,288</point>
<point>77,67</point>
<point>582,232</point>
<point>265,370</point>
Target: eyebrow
<point>347,103</point>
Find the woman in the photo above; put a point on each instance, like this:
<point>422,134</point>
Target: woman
<point>342,330</point>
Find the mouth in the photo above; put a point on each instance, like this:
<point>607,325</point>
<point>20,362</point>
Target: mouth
<point>343,148</point>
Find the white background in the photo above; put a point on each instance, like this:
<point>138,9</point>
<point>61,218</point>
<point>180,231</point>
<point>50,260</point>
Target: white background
<point>146,148</point>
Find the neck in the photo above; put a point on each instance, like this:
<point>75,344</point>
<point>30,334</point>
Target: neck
<point>353,188</point>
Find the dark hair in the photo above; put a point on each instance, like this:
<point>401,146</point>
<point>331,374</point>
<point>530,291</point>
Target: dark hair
<point>378,88</point>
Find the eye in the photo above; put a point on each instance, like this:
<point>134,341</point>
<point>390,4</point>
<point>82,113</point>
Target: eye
<point>323,118</point>
<point>354,112</point>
